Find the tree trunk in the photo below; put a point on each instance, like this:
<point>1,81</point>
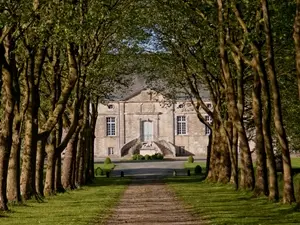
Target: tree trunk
<point>261,182</point>
<point>13,178</point>
<point>50,171</point>
<point>69,161</point>
<point>39,182</point>
<point>232,104</point>
<point>258,67</point>
<point>234,159</point>
<point>58,178</point>
<point>80,159</point>
<point>6,122</point>
<point>225,163</point>
<point>36,61</point>
<point>209,150</point>
<point>288,188</point>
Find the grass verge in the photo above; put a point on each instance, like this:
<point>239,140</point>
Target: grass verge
<point>220,204</point>
<point>90,204</point>
<point>191,166</point>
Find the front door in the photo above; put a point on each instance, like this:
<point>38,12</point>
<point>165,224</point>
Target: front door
<point>147,131</point>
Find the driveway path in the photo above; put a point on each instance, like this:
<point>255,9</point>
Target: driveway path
<point>148,200</point>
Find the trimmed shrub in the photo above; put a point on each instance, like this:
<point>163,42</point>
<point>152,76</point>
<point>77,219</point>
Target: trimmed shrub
<point>107,160</point>
<point>198,170</point>
<point>98,171</point>
<point>135,157</point>
<point>154,156</point>
<point>157,156</point>
<point>191,159</point>
<point>147,157</point>
<point>140,157</point>
<point>160,156</point>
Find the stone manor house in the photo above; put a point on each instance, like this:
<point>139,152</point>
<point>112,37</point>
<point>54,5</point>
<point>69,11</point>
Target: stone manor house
<point>143,123</point>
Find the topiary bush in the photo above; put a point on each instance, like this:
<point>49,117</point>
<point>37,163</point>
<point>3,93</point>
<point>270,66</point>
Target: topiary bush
<point>147,157</point>
<point>191,159</point>
<point>98,171</point>
<point>198,170</point>
<point>107,160</point>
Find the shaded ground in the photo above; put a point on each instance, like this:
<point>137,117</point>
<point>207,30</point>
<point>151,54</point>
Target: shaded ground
<point>149,201</point>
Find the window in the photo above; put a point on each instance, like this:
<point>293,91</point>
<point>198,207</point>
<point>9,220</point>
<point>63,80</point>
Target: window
<point>181,150</point>
<point>110,126</point>
<point>110,106</point>
<point>209,120</point>
<point>209,105</point>
<point>181,125</point>
<point>110,151</point>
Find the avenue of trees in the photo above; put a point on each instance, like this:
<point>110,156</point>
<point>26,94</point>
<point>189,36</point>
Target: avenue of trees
<point>246,54</point>
<point>59,58</point>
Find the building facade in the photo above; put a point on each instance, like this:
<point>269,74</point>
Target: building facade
<point>145,123</point>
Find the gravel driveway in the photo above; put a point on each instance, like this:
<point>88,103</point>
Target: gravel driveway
<point>148,200</point>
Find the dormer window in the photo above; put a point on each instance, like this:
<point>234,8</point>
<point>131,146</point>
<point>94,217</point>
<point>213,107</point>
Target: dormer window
<point>208,105</point>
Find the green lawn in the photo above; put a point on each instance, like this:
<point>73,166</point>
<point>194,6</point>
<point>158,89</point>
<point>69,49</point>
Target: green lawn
<point>191,166</point>
<point>222,205</point>
<point>88,205</point>
<point>295,162</point>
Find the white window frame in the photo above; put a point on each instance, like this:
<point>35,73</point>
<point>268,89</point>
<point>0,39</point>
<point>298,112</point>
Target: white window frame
<point>207,129</point>
<point>110,151</point>
<point>110,123</point>
<point>181,125</point>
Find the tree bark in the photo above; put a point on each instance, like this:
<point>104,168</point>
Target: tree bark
<point>232,104</point>
<point>288,188</point>
<point>58,177</point>
<point>258,67</point>
<point>49,188</point>
<point>6,120</point>
<point>39,173</point>
<point>36,61</point>
<point>261,181</point>
<point>69,161</point>
<point>13,178</point>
